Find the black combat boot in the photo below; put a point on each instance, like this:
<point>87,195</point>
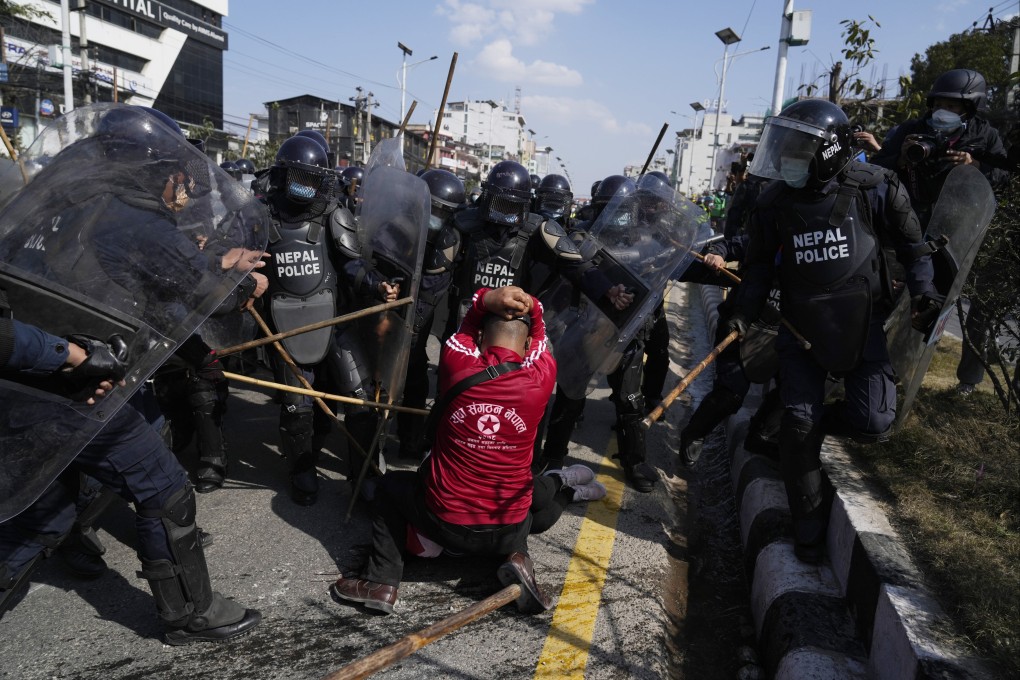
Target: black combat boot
<point>180,586</point>
<point>807,491</point>
<point>562,419</point>
<point>719,404</point>
<point>296,443</point>
<point>630,437</point>
<point>763,428</point>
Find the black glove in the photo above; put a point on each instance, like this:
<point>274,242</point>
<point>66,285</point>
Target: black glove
<point>104,361</point>
<point>737,323</point>
<point>211,368</point>
<point>926,309</point>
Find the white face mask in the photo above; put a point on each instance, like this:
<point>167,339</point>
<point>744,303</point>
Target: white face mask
<point>945,121</point>
<point>795,171</point>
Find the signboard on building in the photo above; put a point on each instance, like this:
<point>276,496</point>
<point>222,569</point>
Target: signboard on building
<point>46,107</point>
<point>8,116</point>
<point>33,55</point>
<point>169,17</point>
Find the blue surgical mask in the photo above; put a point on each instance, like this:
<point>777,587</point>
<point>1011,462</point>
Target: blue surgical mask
<point>795,171</point>
<point>945,121</point>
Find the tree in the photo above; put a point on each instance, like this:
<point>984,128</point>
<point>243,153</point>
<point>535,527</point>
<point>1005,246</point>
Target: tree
<point>987,52</point>
<point>10,9</point>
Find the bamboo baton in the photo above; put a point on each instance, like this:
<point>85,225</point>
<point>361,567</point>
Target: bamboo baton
<point>407,118</point>
<point>408,645</point>
<point>804,342</point>
<point>269,339</point>
<point>301,378</point>
<point>688,379</point>
<point>439,116</point>
<point>323,395</point>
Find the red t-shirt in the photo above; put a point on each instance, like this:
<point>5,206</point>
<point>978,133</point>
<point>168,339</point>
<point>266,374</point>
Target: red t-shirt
<point>480,468</point>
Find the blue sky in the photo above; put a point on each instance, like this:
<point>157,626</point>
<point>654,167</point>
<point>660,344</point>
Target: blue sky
<point>597,78</point>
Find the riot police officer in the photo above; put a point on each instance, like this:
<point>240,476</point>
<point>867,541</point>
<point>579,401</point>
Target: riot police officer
<point>503,240</point>
<point>553,199</point>
<point>823,229</point>
<point>315,270</point>
<point>923,151</point>
<point>351,178</point>
<point>442,253</point>
<point>625,380</point>
<point>140,166</point>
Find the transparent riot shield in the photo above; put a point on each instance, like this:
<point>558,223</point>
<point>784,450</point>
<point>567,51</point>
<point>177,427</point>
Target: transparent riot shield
<point>960,218</point>
<point>643,240</point>
<point>392,221</point>
<point>100,226</point>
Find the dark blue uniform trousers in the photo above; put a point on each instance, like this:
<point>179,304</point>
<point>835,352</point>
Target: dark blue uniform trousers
<point>129,457</point>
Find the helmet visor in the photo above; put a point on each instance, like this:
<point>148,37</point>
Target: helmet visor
<point>782,139</point>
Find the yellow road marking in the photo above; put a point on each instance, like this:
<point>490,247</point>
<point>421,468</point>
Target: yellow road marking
<point>565,652</point>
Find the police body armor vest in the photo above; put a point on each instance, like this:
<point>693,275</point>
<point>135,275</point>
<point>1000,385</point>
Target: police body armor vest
<point>830,273</point>
<point>489,263</point>
<point>302,285</point>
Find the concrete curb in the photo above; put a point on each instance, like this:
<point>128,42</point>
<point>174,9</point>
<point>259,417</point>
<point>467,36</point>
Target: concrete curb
<point>866,613</point>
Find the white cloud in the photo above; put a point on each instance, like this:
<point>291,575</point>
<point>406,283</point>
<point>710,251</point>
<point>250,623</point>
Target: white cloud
<point>498,61</point>
<point>526,22</point>
<point>570,111</point>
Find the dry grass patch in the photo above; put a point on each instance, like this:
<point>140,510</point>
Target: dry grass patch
<point>953,473</point>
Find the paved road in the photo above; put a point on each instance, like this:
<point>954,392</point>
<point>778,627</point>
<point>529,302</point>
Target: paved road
<point>619,591</point>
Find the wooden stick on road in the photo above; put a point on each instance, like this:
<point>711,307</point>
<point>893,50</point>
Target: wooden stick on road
<point>323,395</point>
<point>269,339</point>
<point>688,379</point>
<point>406,646</point>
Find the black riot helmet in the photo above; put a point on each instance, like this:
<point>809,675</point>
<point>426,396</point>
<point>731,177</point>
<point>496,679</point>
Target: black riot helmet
<point>964,84</point>
<point>137,134</point>
<point>301,170</point>
<point>609,187</point>
<point>654,181</point>
<point>317,136</point>
<point>447,195</point>
<point>352,177</point>
<point>553,197</point>
<point>245,166</point>
<point>167,120</point>
<point>506,194</point>
<point>230,167</point>
<point>810,140</point>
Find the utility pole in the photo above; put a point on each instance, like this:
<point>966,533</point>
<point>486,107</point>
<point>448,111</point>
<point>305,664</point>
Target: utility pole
<point>65,49</point>
<point>784,45</point>
<point>368,128</point>
<point>86,73</point>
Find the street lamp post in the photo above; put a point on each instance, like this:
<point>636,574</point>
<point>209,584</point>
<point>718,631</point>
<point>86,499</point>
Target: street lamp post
<point>492,108</point>
<point>728,37</point>
<point>698,108</point>
<point>403,81</point>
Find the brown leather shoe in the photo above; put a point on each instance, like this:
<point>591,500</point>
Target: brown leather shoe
<point>518,568</point>
<point>378,596</point>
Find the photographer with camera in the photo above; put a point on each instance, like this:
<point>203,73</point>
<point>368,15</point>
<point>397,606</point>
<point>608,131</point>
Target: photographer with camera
<point>923,151</point>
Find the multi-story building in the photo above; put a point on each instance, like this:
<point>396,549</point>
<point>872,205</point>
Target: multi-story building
<point>693,171</point>
<point>162,53</point>
<point>497,132</point>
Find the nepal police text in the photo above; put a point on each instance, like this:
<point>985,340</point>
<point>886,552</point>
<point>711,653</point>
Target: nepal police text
<point>819,246</point>
<point>494,275</point>
<point>297,263</point>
